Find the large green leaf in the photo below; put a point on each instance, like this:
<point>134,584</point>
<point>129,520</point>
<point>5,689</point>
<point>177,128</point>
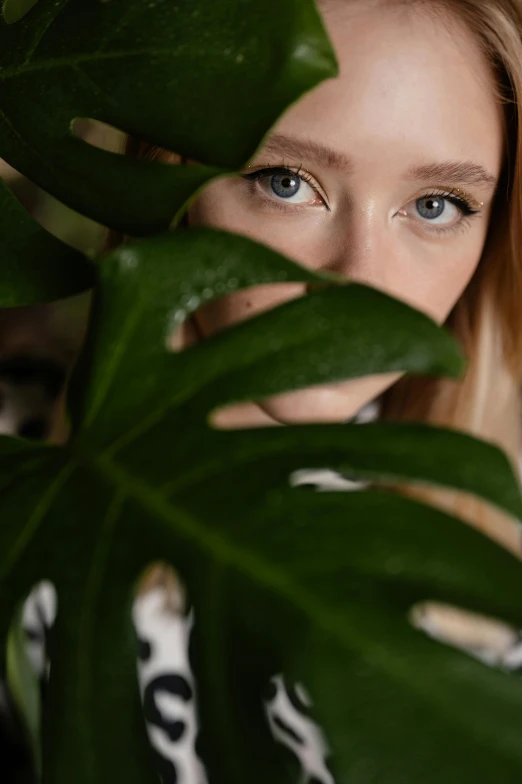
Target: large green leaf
<point>317,587</point>
<point>149,287</point>
<point>338,575</point>
<point>158,71</point>
<point>36,267</point>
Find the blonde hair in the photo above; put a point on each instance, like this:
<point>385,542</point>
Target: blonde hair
<point>487,320</point>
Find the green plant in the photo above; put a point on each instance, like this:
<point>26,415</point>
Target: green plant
<point>315,586</point>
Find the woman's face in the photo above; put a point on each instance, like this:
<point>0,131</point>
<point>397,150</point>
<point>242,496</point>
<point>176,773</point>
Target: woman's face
<point>398,160</point>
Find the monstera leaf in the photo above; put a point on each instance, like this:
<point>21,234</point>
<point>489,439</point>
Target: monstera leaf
<point>35,265</point>
<point>317,587</point>
<point>164,71</point>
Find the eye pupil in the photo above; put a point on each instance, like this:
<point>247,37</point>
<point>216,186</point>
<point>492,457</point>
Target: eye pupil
<point>285,185</point>
<point>431,207</point>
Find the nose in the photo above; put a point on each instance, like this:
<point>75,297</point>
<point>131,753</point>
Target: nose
<point>362,250</point>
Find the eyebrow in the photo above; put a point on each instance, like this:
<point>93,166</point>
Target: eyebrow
<point>465,172</point>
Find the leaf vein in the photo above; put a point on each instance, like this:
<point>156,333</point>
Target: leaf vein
<point>92,57</point>
<point>39,512</point>
<point>103,385</point>
<point>43,32</point>
<point>84,686</point>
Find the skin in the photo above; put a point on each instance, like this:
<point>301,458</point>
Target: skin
<point>412,90</point>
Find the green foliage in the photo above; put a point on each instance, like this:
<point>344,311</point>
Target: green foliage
<point>36,266</point>
<point>23,684</point>
<point>317,586</point>
<point>14,10</point>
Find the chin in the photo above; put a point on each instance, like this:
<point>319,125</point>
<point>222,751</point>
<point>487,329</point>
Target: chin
<point>326,404</point>
<point>312,405</point>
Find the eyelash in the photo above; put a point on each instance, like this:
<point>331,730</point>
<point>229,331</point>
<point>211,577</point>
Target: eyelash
<point>468,212</point>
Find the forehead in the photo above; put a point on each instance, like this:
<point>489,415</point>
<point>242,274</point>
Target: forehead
<point>411,85</point>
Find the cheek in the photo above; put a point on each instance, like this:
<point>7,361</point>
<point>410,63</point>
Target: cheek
<point>448,284</point>
<point>210,206</point>
<point>431,276</point>
<point>223,205</point>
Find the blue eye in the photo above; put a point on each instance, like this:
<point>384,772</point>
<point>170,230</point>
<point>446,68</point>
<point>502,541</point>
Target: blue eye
<point>430,207</point>
<point>280,185</point>
<point>443,212</point>
<point>285,184</point>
